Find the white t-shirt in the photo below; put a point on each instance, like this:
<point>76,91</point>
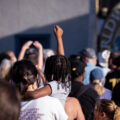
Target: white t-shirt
<point>44,108</point>
<point>60,91</point>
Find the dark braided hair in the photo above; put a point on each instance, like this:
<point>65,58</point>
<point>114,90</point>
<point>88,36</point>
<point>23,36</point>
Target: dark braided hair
<point>57,68</point>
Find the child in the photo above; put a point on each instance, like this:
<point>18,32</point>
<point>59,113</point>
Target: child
<point>57,73</point>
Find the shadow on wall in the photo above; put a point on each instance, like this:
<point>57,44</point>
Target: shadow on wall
<point>74,38</point>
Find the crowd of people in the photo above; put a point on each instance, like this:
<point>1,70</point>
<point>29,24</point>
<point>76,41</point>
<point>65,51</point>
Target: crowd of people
<point>46,85</point>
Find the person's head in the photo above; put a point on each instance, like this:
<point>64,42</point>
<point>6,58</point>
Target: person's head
<point>116,62</point>
<point>5,69</point>
<point>112,57</point>
<point>96,80</point>
<point>3,56</point>
<point>88,55</point>
<point>25,76</point>
<point>57,68</point>
<point>106,110</point>
<point>9,102</point>
<point>47,53</point>
<point>74,57</point>
<point>77,69</point>
<point>32,55</point>
<point>116,94</point>
<point>96,76</point>
<point>103,58</point>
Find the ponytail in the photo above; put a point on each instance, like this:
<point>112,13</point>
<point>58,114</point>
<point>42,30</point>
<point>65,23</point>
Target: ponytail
<point>98,87</point>
<point>109,108</point>
<point>117,114</point>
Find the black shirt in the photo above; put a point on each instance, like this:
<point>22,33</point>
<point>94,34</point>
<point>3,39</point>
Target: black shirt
<point>112,79</point>
<point>87,97</point>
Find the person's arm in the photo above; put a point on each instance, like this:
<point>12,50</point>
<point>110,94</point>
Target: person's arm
<point>24,48</point>
<point>40,54</point>
<point>58,34</point>
<point>42,76</point>
<point>46,90</point>
<point>73,109</point>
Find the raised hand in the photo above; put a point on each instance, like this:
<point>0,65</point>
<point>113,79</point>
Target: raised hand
<point>58,34</point>
<point>37,45</point>
<point>27,44</point>
<point>24,48</point>
<point>58,31</point>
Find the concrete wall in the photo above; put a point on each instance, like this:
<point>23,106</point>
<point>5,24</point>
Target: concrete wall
<point>39,17</point>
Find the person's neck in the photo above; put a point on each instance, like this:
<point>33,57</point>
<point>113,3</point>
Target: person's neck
<point>79,79</point>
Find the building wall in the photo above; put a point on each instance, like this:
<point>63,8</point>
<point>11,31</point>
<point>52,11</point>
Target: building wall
<point>40,16</point>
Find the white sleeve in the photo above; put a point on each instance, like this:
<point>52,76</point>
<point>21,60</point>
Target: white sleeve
<point>54,87</point>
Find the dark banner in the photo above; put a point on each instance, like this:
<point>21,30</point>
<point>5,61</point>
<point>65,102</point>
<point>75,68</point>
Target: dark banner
<point>110,35</point>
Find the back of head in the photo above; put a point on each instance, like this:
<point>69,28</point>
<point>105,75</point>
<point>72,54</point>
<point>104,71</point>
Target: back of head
<point>88,53</point>
<point>116,61</point>
<point>116,94</point>
<point>32,55</point>
<point>74,57</point>
<point>77,68</point>
<point>108,107</point>
<point>96,74</point>
<point>57,68</point>
<point>96,79</point>
<point>3,56</point>
<point>47,53</point>
<point>24,73</point>
<point>112,57</point>
<point>9,102</point>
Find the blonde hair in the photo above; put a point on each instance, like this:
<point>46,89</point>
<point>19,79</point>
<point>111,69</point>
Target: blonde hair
<point>98,87</point>
<point>109,108</point>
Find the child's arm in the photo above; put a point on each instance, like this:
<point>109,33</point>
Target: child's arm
<point>24,48</point>
<point>46,90</point>
<point>40,54</point>
<point>58,34</point>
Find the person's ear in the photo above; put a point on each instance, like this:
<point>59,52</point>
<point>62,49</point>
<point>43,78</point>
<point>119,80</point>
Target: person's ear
<point>102,114</point>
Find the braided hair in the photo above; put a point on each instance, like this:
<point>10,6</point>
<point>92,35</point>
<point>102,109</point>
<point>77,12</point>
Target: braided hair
<point>57,68</point>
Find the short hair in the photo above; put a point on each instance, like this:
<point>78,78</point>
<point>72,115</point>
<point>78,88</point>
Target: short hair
<point>57,68</point>
<point>77,68</point>
<point>9,102</point>
<point>47,53</point>
<point>116,94</point>
<point>32,55</point>
<point>24,73</point>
